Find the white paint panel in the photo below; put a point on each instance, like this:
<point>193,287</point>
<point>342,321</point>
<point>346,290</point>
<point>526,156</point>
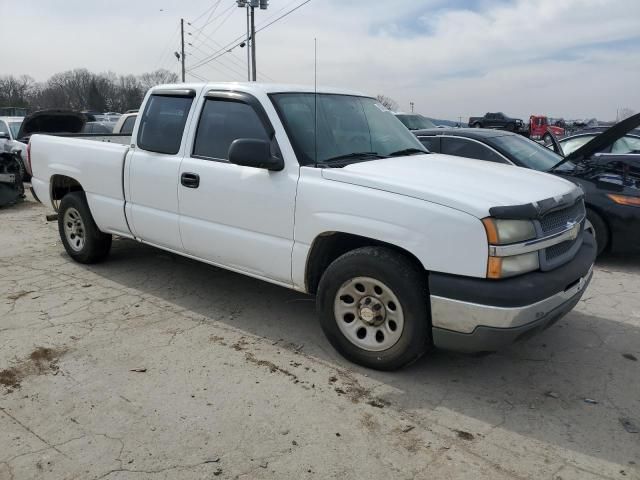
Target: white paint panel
<point>442,238</point>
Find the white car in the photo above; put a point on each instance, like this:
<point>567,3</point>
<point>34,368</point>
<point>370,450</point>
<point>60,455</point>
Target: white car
<point>125,123</point>
<point>9,128</point>
<point>404,250</point>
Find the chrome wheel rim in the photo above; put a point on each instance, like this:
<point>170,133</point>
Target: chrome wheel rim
<point>74,229</point>
<point>368,314</point>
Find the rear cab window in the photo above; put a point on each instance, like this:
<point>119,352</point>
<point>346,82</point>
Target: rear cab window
<point>163,121</point>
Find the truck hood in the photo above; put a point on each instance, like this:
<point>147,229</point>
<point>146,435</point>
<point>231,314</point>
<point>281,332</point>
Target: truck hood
<point>464,184</point>
<point>52,121</point>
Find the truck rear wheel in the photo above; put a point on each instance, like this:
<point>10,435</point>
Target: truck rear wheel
<point>78,231</point>
<point>373,307</point>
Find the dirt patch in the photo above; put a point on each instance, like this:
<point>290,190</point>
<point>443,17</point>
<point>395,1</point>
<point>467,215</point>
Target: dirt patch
<point>354,391</point>
<point>250,357</point>
<point>369,422</point>
<point>20,294</point>
<point>41,361</point>
<point>464,435</point>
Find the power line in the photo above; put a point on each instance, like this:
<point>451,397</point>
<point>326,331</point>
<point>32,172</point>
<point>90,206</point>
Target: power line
<point>231,58</point>
<point>163,60</point>
<point>204,13</point>
<point>198,31</point>
<point>228,67</point>
<point>231,45</point>
<point>222,22</point>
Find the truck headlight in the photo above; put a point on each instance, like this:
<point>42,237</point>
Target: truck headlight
<point>503,232</point>
<point>504,267</point>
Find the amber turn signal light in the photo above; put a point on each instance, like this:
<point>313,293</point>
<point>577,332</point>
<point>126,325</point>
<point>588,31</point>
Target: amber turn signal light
<point>624,200</point>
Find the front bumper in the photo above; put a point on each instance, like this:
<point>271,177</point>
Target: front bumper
<point>478,315</point>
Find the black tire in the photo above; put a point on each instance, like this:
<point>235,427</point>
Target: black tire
<point>477,125</point>
<point>601,230</point>
<point>407,282</point>
<point>546,139</point>
<point>96,245</point>
<point>511,127</point>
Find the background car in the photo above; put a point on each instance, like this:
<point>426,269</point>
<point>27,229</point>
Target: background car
<point>499,121</point>
<point>9,128</point>
<point>630,143</point>
<point>125,123</point>
<point>414,121</point>
<point>98,127</point>
<point>611,181</point>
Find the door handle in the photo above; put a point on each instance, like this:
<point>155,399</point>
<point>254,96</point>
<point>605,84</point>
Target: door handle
<point>190,180</point>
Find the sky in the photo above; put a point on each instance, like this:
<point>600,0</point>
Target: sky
<point>455,58</point>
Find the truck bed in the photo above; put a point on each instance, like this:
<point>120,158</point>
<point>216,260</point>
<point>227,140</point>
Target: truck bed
<point>97,165</point>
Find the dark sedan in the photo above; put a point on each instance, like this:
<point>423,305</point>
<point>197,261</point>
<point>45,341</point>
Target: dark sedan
<point>611,181</point>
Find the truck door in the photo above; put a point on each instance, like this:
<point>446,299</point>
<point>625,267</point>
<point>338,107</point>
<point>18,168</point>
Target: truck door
<point>152,173</point>
<point>230,215</point>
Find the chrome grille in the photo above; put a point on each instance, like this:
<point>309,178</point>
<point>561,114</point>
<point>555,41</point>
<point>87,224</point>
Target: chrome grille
<point>555,222</point>
<point>558,220</point>
<point>551,253</point>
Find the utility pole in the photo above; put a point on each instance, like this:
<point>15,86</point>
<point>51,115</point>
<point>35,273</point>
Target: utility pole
<point>248,44</point>
<point>182,47</point>
<point>412,105</point>
<point>253,43</point>
<point>250,5</point>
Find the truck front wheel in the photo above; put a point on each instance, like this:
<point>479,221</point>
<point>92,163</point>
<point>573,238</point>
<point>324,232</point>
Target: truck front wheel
<point>79,234</point>
<point>373,307</point>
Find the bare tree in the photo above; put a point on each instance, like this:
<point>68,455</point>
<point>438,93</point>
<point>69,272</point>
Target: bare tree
<point>158,77</point>
<point>81,89</point>
<point>387,102</point>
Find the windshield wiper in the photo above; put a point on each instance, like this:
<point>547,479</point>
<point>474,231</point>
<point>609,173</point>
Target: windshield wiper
<point>407,151</point>
<point>348,156</point>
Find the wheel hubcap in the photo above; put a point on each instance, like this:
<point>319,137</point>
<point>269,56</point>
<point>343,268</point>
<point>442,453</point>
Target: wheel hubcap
<point>369,314</point>
<point>74,229</point>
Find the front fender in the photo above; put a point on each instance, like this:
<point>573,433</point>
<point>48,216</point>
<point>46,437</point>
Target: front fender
<point>443,239</point>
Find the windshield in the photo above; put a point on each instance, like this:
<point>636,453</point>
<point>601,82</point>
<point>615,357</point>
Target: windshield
<point>347,125</point>
<point>529,153</point>
<point>15,128</point>
<point>416,122</point>
<point>570,145</point>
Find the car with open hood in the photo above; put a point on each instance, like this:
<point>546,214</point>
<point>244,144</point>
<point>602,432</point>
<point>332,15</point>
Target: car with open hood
<point>54,121</point>
<point>606,166</point>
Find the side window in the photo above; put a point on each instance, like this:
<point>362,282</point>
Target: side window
<point>461,147</point>
<point>127,126</point>
<point>162,123</point>
<point>4,130</point>
<point>221,123</point>
<point>432,143</point>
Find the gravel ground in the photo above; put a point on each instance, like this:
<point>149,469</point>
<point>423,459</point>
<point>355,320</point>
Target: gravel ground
<point>152,366</point>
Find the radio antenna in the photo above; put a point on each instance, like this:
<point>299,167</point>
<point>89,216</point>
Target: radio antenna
<point>315,101</point>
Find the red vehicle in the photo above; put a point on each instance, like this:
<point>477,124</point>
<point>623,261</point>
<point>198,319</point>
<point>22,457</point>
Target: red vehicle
<point>540,126</point>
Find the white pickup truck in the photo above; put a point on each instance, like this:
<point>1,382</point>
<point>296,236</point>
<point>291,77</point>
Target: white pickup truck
<point>405,250</point>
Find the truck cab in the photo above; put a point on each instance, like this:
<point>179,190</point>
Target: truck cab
<point>540,128</point>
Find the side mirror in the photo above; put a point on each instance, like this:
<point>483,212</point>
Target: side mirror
<point>253,152</point>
